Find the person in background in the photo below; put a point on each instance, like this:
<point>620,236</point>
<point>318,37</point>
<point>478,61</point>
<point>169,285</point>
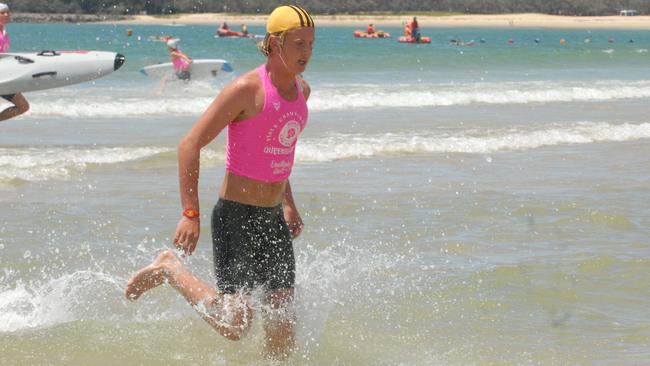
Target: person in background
<point>407,30</point>
<point>20,104</point>
<point>415,29</point>
<point>244,29</point>
<point>180,61</point>
<point>371,29</point>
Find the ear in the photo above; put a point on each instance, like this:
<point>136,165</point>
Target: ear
<point>274,42</point>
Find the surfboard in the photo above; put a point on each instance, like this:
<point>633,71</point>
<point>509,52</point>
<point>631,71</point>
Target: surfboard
<point>199,69</point>
<point>25,72</point>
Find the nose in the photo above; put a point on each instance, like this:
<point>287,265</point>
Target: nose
<point>119,61</point>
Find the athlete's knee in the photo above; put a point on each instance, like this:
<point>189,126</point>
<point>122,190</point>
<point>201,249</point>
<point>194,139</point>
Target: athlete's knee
<point>231,316</point>
<point>22,106</point>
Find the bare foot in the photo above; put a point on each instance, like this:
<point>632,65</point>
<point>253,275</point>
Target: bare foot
<point>151,276</point>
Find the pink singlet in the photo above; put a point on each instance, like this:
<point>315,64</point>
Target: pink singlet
<point>5,42</point>
<point>263,147</point>
<point>180,64</point>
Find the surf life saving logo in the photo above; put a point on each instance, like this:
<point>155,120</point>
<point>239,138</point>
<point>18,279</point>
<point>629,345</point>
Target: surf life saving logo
<point>281,137</point>
<point>276,105</point>
<point>289,133</point>
<point>281,141</point>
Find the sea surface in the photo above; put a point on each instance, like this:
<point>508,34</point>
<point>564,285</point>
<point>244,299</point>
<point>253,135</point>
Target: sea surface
<point>464,205</point>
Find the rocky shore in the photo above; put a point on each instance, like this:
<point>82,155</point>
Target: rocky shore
<point>66,18</point>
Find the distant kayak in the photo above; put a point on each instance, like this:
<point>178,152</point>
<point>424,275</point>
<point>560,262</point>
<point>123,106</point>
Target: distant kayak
<point>413,40</point>
<point>227,33</point>
<point>378,34</point>
<point>25,72</point>
<point>199,69</point>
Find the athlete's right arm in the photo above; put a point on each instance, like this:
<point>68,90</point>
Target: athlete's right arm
<point>237,98</point>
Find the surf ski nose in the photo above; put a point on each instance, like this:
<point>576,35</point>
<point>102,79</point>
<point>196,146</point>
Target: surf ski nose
<point>119,61</point>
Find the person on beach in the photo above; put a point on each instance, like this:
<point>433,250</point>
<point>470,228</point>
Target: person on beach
<point>255,218</point>
<point>180,61</point>
<point>20,104</point>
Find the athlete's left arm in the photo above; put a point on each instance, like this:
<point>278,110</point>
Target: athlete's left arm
<point>291,215</point>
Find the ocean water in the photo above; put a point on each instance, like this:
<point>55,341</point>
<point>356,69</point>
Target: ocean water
<point>483,205</point>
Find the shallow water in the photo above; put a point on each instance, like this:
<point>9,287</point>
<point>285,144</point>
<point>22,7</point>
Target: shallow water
<point>478,205</point>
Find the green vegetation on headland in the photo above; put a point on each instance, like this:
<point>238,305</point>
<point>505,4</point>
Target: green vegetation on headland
<point>369,7</point>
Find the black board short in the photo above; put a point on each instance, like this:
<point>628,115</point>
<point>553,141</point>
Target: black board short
<point>8,97</point>
<point>252,247</point>
<point>183,75</point>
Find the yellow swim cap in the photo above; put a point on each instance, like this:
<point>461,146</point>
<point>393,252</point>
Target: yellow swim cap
<point>288,17</point>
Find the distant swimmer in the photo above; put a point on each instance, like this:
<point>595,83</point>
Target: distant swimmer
<point>610,40</point>
<point>511,41</point>
<point>562,41</point>
<point>255,219</point>
<point>20,103</point>
<point>160,38</point>
<point>180,61</point>
<point>537,40</point>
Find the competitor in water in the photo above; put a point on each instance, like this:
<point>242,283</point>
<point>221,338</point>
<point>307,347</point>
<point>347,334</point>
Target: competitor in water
<point>20,104</point>
<point>180,61</point>
<point>255,218</point>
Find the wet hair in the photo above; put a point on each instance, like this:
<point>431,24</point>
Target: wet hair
<point>265,45</point>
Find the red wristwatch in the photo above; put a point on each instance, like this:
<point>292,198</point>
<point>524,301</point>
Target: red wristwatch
<point>191,214</point>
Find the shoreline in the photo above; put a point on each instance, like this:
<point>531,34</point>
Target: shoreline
<point>528,20</point>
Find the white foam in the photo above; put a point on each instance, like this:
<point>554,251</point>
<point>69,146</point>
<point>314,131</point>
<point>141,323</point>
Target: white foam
<point>108,103</point>
<point>348,146</point>
<point>53,302</point>
<point>106,107</point>
<point>40,164</point>
<point>398,96</point>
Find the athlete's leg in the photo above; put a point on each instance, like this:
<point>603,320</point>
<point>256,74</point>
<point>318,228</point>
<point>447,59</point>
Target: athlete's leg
<point>163,82</point>
<point>20,106</point>
<point>279,322</point>
<point>230,315</point>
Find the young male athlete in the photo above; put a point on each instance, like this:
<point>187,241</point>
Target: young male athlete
<point>20,104</point>
<point>255,218</point>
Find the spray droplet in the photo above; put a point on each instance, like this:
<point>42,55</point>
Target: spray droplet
<point>27,254</point>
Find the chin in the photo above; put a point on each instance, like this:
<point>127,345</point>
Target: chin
<point>300,68</point>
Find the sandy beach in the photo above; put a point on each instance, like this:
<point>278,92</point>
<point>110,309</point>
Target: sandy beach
<point>483,21</point>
